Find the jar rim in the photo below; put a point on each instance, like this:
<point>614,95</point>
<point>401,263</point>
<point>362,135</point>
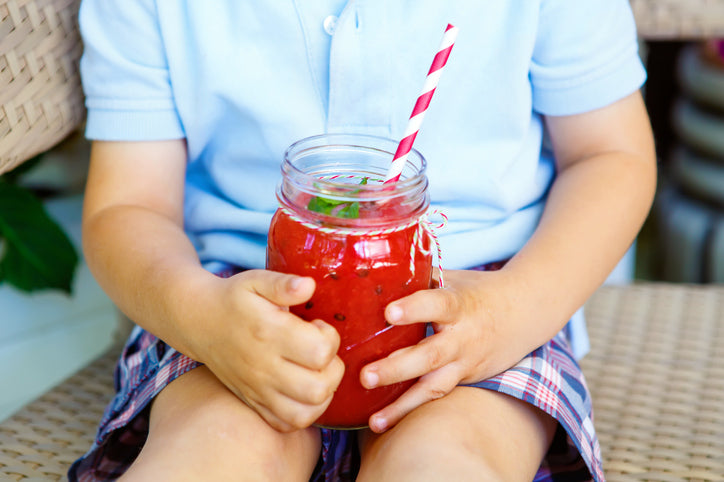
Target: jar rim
<point>405,182</point>
<point>332,167</point>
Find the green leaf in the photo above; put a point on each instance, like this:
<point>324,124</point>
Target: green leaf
<point>38,254</point>
<point>350,211</point>
<point>331,207</point>
<point>322,205</point>
<point>18,171</point>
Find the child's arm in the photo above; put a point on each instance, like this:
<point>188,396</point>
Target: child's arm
<point>487,321</point>
<point>283,367</point>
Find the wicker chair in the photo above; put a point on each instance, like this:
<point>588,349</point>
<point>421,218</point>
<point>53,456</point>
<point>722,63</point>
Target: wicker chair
<point>679,19</point>
<point>41,101</point>
<point>656,368</point>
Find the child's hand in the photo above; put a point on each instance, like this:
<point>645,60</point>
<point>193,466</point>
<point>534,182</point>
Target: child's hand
<point>283,367</point>
<point>474,340</point>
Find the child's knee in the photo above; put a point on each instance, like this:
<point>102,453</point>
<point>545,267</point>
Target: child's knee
<point>469,431</point>
<point>421,451</point>
<point>200,418</point>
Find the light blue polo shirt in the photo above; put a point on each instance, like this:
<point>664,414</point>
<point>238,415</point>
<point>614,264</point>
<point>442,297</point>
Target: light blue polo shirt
<point>241,80</point>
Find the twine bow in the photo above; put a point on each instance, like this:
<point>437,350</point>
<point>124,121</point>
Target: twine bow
<point>425,226</point>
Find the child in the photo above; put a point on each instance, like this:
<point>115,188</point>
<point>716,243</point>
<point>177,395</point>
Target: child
<point>539,152</point>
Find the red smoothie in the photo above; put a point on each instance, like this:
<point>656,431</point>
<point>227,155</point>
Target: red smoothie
<point>357,276</point>
<point>362,243</point>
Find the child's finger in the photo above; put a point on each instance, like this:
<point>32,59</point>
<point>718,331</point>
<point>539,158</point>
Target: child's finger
<point>309,387</point>
<point>279,288</point>
<point>423,306</point>
<point>330,333</point>
<point>312,345</point>
<point>295,414</point>
<point>408,363</point>
<point>275,422</point>
<point>430,387</point>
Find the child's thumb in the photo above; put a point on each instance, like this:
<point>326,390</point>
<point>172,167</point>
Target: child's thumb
<point>285,289</point>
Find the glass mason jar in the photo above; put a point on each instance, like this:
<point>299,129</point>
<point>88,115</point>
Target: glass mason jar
<point>364,244</point>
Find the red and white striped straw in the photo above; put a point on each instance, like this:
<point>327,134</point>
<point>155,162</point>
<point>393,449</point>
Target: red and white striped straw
<point>423,101</point>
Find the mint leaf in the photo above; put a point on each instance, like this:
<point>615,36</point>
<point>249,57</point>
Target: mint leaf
<point>323,205</point>
<point>37,253</point>
<point>331,207</point>
<point>349,211</point>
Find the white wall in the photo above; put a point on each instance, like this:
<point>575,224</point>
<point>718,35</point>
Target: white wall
<point>46,337</point>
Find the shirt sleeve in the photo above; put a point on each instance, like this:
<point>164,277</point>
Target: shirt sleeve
<point>585,57</point>
<point>125,73</point>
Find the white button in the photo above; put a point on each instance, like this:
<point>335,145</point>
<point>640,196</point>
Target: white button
<point>330,23</point>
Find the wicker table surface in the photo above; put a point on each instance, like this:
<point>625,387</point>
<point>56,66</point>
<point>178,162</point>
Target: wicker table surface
<point>656,370</point>
<point>656,373</point>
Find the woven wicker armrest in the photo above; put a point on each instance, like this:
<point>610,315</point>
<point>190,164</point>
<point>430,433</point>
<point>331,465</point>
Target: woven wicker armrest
<point>656,370</point>
<point>41,99</point>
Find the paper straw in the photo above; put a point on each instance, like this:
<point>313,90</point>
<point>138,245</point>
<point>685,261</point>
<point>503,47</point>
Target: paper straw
<point>423,101</point>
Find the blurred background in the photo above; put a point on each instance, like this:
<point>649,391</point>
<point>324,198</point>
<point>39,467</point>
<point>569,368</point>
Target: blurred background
<point>683,240</point>
<point>51,334</point>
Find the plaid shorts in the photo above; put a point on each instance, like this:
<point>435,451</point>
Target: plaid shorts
<point>548,378</point>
